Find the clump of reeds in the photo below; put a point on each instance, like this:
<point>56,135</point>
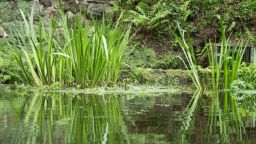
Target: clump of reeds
<point>225,64</point>
<point>70,52</point>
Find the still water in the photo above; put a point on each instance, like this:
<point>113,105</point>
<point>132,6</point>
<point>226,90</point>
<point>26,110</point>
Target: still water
<point>157,118</point>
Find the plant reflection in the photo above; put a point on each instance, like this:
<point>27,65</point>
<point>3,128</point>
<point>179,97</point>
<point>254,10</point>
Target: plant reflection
<point>188,115</point>
<point>225,117</point>
<point>229,116</point>
<point>66,118</point>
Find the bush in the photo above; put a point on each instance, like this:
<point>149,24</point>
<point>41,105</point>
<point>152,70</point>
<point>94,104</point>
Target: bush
<point>7,66</point>
<point>247,78</point>
<point>169,61</point>
<point>146,58</point>
<point>142,57</point>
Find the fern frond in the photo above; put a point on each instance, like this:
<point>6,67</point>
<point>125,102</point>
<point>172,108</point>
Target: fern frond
<point>160,15</point>
<point>143,8</point>
<point>158,6</point>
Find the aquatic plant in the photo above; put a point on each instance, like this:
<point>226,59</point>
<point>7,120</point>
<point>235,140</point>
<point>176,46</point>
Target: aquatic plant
<point>38,62</point>
<point>70,52</point>
<point>225,63</point>
<point>189,53</point>
<point>95,52</point>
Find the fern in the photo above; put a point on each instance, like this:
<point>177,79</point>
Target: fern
<point>250,36</point>
<point>147,15</point>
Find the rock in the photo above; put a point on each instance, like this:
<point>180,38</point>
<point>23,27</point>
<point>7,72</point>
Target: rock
<point>95,8</point>
<point>98,8</point>
<point>3,33</point>
<point>46,3</point>
<point>70,14</point>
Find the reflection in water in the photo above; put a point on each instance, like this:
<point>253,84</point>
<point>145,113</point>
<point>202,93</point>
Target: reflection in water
<point>160,118</point>
<point>189,114</point>
<point>65,118</point>
<point>229,115</point>
<point>225,117</point>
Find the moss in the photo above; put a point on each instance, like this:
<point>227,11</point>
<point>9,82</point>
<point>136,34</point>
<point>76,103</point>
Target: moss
<point>159,77</point>
<point>142,57</point>
<point>169,61</point>
<point>147,58</point>
<point>10,11</point>
<point>155,77</point>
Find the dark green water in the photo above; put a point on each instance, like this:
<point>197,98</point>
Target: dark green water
<point>159,118</point>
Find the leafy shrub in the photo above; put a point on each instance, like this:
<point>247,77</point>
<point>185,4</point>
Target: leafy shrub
<point>4,65</point>
<point>148,15</point>
<point>7,66</point>
<point>169,61</point>
<point>247,78</point>
<point>142,57</point>
<point>152,77</point>
<point>146,58</point>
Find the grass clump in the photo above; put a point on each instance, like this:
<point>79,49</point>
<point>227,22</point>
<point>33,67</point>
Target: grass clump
<point>70,52</point>
<point>225,61</point>
<point>225,64</point>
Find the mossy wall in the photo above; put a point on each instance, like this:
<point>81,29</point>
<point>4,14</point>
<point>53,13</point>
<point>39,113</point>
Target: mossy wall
<point>89,7</point>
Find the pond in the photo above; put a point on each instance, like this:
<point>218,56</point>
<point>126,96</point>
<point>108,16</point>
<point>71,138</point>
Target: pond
<point>136,118</point>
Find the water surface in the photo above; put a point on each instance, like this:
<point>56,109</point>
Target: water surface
<point>158,118</point>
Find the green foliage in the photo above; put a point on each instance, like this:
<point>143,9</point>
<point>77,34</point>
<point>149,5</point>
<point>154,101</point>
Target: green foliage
<point>70,52</point>
<point>153,77</point>
<point>10,19</point>
<point>7,66</point>
<point>169,61</point>
<point>201,18</point>
<point>247,78</point>
<point>148,15</point>
<point>146,58</point>
<point>10,11</point>
<point>226,63</point>
<point>142,57</point>
<point>4,67</point>
<point>188,50</point>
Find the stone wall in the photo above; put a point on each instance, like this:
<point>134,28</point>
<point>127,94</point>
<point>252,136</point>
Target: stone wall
<point>95,8</point>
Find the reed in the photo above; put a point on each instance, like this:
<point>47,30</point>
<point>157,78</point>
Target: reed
<point>189,53</point>
<point>96,52</point>
<point>37,61</point>
<point>226,63</point>
<point>70,52</point>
